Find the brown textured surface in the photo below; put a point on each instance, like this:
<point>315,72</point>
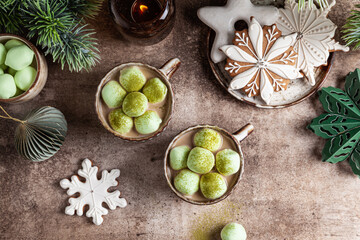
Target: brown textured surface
<point>286,192</point>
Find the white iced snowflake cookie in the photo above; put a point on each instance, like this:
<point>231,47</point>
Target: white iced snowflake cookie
<point>93,192</point>
<point>315,35</point>
<point>222,20</point>
<point>261,61</point>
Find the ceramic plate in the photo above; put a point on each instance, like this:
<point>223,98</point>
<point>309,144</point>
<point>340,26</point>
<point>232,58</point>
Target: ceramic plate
<point>298,89</point>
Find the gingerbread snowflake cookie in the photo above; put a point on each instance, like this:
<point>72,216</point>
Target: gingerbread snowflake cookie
<point>93,192</point>
<point>261,61</point>
<point>315,35</point>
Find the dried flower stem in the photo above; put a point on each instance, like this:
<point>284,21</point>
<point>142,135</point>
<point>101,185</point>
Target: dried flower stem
<point>7,116</point>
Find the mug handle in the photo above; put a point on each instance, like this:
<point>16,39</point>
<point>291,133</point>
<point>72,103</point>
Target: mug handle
<point>170,67</point>
<point>245,131</point>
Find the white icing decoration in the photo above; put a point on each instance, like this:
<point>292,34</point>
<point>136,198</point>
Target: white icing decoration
<point>236,54</point>
<point>264,64</point>
<point>222,20</point>
<point>315,35</point>
<point>93,192</point>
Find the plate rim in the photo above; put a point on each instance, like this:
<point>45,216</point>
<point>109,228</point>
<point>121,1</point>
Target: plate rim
<point>315,88</point>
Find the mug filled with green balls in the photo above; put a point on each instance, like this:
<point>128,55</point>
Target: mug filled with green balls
<point>23,70</point>
<point>134,101</point>
<point>203,164</point>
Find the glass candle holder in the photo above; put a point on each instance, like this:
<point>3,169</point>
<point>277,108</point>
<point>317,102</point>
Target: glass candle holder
<point>143,21</point>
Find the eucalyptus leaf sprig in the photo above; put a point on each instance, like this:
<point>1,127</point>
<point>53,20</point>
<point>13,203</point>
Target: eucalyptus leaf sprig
<point>58,26</point>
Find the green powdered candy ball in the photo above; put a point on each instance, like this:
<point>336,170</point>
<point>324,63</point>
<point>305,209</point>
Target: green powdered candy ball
<point>227,162</point>
<point>178,157</point>
<point>11,71</point>
<point>209,139</point>
<point>135,104</point>
<point>13,43</point>
<point>19,57</point>
<point>113,94</point>
<point>213,185</point>
<point>200,160</point>
<point>1,71</point>
<point>155,90</point>
<point>120,122</point>
<point>7,86</point>
<point>187,182</point>
<point>132,79</point>
<point>147,123</point>
<point>25,78</point>
<point>2,53</point>
<point>233,231</point>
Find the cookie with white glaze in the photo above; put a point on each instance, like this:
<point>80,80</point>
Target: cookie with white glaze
<point>315,33</point>
<point>261,61</point>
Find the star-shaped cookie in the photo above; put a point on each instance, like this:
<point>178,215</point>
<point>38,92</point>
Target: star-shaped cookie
<point>222,20</point>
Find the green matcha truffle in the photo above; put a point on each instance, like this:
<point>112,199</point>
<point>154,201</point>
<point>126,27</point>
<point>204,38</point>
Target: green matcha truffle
<point>135,104</point>
<point>19,57</point>
<point>1,71</point>
<point>147,123</point>
<point>233,231</point>
<point>209,139</point>
<point>7,86</point>
<point>178,157</point>
<point>187,182</point>
<point>132,79</point>
<point>155,90</point>
<point>2,53</point>
<point>13,43</point>
<point>227,162</point>
<point>213,185</point>
<point>120,122</point>
<point>200,160</point>
<point>25,78</point>
<point>113,94</point>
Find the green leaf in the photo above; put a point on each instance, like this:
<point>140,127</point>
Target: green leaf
<point>336,101</point>
<point>330,125</point>
<point>341,147</point>
<point>355,160</point>
<point>341,125</point>
<point>352,86</point>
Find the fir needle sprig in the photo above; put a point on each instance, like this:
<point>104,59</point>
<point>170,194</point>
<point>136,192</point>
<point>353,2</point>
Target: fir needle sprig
<point>321,3</point>
<point>79,46</point>
<point>58,26</point>
<point>9,19</point>
<point>86,9</point>
<point>352,29</point>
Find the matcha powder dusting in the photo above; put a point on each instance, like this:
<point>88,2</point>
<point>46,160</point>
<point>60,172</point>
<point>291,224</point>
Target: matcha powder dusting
<point>207,224</point>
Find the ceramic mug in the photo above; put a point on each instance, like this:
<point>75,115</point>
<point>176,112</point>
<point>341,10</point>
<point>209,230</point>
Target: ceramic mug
<point>164,74</point>
<point>231,138</point>
<point>41,67</point>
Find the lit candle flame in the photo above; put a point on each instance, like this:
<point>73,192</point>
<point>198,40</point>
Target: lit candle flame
<point>143,8</point>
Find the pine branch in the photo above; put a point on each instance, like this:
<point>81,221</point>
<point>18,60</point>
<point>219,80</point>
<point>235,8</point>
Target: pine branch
<point>57,26</point>
<point>352,29</point>
<point>321,3</point>
<point>77,49</point>
<point>10,21</point>
<point>84,8</point>
<point>46,20</point>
